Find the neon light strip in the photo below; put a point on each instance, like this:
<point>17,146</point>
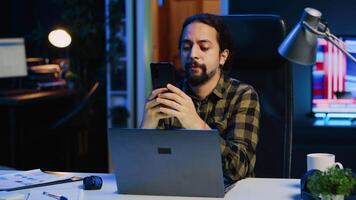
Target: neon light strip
<point>350,46</point>
<point>333,101</point>
<point>341,115</point>
<point>320,115</point>
<point>329,63</point>
<point>335,115</point>
<point>341,71</point>
<point>335,68</point>
<point>350,78</point>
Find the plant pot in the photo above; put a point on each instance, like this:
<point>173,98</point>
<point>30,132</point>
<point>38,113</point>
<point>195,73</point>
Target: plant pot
<point>332,197</point>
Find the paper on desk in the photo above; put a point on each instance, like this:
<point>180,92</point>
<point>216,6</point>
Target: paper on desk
<point>26,178</point>
<point>70,194</point>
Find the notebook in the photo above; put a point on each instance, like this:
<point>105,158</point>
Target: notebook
<point>167,162</point>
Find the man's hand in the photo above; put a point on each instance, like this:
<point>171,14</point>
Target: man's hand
<point>178,104</point>
<point>152,110</point>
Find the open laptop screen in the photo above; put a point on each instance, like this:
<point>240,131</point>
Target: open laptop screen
<point>12,58</point>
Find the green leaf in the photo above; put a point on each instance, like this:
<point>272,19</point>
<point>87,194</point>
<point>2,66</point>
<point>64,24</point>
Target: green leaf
<point>333,181</point>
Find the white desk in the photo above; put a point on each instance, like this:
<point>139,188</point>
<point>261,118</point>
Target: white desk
<point>247,189</point>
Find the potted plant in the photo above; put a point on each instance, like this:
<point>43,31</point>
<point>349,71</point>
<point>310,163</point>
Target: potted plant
<point>333,184</point>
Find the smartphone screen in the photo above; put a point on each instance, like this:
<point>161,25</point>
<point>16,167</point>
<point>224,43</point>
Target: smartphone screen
<point>162,73</point>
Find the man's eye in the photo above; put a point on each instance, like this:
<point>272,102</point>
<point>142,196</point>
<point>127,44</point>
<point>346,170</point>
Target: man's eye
<point>186,47</point>
<point>204,48</point>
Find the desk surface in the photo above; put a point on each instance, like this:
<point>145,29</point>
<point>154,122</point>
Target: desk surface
<point>41,95</point>
<point>247,189</point>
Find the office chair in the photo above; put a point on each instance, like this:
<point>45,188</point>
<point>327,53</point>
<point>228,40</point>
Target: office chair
<point>256,61</point>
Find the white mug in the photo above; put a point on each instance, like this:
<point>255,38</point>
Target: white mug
<point>321,161</point>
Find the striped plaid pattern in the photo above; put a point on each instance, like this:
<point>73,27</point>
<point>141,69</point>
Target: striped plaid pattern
<point>233,109</point>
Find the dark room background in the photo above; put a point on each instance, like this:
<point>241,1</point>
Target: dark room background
<point>85,22</point>
<point>308,138</point>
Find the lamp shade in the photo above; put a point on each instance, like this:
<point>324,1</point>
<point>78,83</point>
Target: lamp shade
<point>300,44</point>
<point>59,38</point>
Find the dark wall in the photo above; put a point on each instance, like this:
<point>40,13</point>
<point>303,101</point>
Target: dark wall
<point>339,13</point>
<point>5,18</point>
<point>21,18</point>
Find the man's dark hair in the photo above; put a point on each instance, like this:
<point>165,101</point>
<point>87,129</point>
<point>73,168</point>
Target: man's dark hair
<point>223,34</point>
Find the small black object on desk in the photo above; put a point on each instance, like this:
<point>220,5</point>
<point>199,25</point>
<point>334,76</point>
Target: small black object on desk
<point>92,183</point>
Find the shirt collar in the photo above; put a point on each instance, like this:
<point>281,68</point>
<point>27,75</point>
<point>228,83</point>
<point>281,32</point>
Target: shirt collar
<point>219,90</point>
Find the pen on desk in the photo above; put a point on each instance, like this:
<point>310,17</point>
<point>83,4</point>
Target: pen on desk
<point>55,196</point>
<point>27,196</point>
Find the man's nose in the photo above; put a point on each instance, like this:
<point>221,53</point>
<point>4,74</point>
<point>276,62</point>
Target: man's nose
<point>194,52</point>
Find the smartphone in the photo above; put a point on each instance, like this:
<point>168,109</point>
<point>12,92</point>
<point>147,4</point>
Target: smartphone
<point>162,73</point>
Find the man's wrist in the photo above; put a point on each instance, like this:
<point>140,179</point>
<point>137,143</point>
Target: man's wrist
<point>146,124</point>
<point>204,125</point>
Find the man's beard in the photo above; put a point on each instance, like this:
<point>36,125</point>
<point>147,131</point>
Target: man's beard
<point>202,78</point>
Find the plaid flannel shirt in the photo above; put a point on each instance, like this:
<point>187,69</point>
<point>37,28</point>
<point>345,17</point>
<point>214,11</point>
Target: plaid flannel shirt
<point>233,109</point>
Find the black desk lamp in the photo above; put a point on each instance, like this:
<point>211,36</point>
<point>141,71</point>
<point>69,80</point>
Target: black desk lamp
<point>300,44</point>
<point>61,39</point>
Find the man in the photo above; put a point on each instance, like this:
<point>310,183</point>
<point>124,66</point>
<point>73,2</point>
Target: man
<point>208,99</point>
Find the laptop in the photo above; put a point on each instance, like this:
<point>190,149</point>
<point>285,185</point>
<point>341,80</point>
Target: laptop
<point>178,162</point>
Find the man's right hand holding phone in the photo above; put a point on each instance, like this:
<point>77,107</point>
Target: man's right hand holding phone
<point>152,113</point>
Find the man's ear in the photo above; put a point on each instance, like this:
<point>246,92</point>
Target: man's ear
<point>223,56</point>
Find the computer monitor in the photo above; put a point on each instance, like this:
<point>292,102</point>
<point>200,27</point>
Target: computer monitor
<point>12,58</point>
<point>334,79</point>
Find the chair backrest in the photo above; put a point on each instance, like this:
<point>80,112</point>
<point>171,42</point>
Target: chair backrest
<point>256,61</point>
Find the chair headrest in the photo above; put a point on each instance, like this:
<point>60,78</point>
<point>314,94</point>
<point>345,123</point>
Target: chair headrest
<point>256,38</point>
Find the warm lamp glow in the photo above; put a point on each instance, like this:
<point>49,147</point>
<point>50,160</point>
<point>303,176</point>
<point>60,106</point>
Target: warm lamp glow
<point>59,38</point>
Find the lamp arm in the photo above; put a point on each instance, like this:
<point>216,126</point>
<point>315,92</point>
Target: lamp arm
<point>330,37</point>
<point>313,30</point>
<point>333,39</point>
